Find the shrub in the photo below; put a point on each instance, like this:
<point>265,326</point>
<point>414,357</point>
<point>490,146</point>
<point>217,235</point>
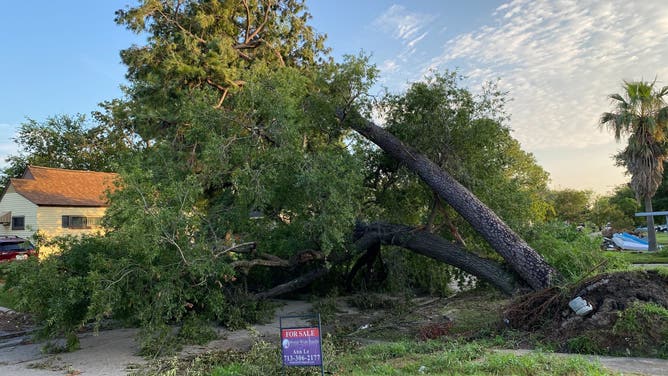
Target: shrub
<point>570,251</point>
<point>96,278</point>
<point>56,290</point>
<point>583,345</point>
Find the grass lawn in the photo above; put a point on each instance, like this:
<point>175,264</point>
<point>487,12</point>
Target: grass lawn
<point>660,257</point>
<point>662,238</point>
<point>642,258</point>
<point>415,358</point>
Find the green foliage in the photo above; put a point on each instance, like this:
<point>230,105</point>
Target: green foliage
<point>466,135</point>
<point>396,358</point>
<point>66,142</point>
<point>374,301</point>
<point>7,296</point>
<point>583,345</point>
<point>642,328</point>
<point>573,253</point>
<point>211,153</point>
<point>643,322</point>
<point>617,209</point>
<point>413,272</point>
<point>660,199</point>
<point>569,204</point>
<point>641,258</point>
<point>663,271</point>
<point>230,110</point>
<point>326,307</point>
<point>196,330</point>
<point>641,115</point>
<point>57,290</point>
<point>209,46</point>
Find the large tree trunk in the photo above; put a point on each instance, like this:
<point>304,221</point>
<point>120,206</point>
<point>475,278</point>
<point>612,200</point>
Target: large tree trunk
<point>651,231</point>
<point>295,284</point>
<point>518,254</point>
<point>434,246</point>
<point>368,236</point>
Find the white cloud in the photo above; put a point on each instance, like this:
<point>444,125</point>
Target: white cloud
<point>413,42</point>
<point>405,26</point>
<point>560,60</point>
<point>389,66</point>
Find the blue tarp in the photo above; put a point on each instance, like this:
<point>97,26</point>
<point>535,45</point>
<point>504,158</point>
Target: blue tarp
<point>630,242</point>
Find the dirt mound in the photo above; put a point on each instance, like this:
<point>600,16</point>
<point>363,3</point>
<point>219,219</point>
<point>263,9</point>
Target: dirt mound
<point>11,321</point>
<point>629,316</point>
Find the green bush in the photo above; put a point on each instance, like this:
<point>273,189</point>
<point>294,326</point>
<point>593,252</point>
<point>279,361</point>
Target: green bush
<point>571,252</point>
<point>96,278</point>
<point>57,290</point>
<point>583,345</point>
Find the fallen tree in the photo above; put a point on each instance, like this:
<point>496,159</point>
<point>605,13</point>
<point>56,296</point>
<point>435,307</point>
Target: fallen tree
<point>437,248</point>
<point>523,259</point>
<point>368,236</point>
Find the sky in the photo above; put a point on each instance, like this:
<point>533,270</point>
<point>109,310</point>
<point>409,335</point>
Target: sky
<point>558,60</point>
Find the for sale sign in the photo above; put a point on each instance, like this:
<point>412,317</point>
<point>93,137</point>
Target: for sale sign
<point>301,346</point>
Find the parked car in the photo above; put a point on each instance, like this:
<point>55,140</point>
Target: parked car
<point>15,248</point>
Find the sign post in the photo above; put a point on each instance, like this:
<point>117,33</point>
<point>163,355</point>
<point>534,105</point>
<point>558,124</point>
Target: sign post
<point>301,346</point>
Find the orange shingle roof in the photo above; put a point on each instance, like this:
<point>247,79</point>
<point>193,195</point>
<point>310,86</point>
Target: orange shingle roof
<point>59,187</point>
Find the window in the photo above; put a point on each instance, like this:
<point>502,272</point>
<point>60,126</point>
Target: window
<point>19,223</point>
<point>80,222</point>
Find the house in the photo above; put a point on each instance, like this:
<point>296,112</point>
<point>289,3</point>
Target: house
<point>54,202</point>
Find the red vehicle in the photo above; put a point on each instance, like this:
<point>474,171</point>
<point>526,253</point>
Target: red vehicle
<point>15,248</point>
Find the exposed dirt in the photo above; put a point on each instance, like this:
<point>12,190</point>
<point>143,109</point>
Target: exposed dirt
<point>11,321</point>
<point>373,317</point>
<point>612,293</point>
<point>619,323</point>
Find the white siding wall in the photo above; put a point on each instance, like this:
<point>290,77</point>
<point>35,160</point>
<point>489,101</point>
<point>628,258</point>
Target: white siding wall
<point>51,225</point>
<point>19,206</point>
<point>50,220</point>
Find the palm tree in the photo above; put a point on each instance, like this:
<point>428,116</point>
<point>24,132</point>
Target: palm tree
<point>642,116</point>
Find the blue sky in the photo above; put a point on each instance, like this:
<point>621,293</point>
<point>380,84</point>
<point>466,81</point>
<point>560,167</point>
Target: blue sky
<point>558,59</point>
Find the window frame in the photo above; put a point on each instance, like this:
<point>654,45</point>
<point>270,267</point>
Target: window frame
<point>15,227</point>
<point>86,223</point>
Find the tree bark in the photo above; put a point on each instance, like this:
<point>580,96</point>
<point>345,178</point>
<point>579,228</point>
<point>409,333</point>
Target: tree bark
<point>368,236</point>
<point>518,254</point>
<point>651,231</point>
<point>294,284</point>
<point>437,248</point>
<point>367,259</point>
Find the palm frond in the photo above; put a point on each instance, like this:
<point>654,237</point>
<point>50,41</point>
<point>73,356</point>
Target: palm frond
<point>663,92</point>
<point>616,97</point>
<point>642,115</point>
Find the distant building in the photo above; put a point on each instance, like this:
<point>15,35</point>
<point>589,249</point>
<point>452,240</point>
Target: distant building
<point>53,202</point>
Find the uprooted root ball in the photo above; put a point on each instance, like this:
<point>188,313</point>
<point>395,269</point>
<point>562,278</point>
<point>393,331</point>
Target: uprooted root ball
<point>629,317</point>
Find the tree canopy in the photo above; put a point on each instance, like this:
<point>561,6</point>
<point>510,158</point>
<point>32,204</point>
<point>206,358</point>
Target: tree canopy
<point>69,142</point>
<point>570,205</point>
